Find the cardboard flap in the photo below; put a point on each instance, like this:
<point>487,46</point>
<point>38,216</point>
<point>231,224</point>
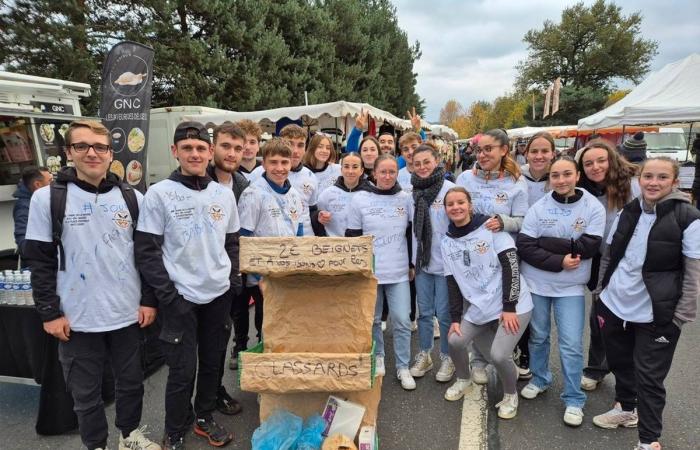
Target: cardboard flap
<point>285,256</point>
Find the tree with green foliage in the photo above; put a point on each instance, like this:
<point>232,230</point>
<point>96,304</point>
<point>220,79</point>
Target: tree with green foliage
<point>243,55</point>
<point>590,47</point>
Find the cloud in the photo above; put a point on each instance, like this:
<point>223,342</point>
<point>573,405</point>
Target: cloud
<point>470,48</point>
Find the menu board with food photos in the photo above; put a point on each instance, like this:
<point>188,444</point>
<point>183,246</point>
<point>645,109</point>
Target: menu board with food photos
<point>125,108</point>
<point>51,142</point>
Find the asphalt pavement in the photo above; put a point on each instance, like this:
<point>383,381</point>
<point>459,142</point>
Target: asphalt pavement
<point>416,420</point>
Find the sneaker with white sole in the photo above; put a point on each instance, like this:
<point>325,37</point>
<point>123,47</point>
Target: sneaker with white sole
<point>137,441</point>
<point>531,391</point>
<point>379,369</point>
<point>508,407</point>
<point>652,446</point>
<point>524,373</point>
<point>573,416</point>
<point>407,381</point>
<point>479,375</point>
<point>458,389</point>
<point>447,369</point>
<point>422,363</point>
<point>383,325</point>
<point>589,384</point>
<point>616,417</point>
<point>436,328</point>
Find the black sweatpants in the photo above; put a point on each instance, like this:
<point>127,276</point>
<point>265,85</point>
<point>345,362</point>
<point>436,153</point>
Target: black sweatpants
<point>597,367</point>
<point>193,343</point>
<point>640,356</point>
<point>241,318</point>
<point>83,358</point>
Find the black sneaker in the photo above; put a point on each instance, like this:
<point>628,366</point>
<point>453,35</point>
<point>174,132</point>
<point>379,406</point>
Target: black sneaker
<point>226,404</point>
<point>174,442</point>
<point>524,372</point>
<point>217,435</point>
<point>233,363</point>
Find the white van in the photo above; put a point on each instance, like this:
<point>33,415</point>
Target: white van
<point>34,115</point>
<point>671,142</point>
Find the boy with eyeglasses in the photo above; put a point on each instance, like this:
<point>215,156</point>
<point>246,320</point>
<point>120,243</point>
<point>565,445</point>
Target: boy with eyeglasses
<point>87,289</point>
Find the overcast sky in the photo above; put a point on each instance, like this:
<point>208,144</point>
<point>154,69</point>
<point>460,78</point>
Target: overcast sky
<point>470,47</point>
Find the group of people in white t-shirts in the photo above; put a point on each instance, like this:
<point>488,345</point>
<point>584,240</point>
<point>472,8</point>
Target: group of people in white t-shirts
<point>491,257</point>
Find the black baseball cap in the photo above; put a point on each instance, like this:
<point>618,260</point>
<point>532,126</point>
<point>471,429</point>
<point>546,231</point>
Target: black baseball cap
<point>191,130</point>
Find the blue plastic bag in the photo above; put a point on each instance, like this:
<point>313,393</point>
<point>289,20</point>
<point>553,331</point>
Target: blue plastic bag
<point>311,437</point>
<point>279,432</point>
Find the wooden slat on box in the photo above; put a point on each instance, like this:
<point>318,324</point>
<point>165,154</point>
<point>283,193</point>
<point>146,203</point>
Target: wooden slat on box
<point>284,256</point>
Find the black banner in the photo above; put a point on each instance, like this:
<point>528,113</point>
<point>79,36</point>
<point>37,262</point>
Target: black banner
<point>125,107</point>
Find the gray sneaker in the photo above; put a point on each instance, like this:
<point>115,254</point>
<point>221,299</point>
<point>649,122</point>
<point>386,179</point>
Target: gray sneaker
<point>447,369</point>
<point>422,363</point>
<point>616,417</point>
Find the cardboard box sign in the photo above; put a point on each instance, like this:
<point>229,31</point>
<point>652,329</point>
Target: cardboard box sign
<point>311,313</point>
<point>284,256</point>
<point>305,372</point>
<point>307,403</point>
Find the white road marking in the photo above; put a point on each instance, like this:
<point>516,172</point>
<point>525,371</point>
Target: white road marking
<point>473,434</point>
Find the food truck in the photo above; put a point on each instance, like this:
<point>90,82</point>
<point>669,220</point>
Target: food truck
<point>34,115</point>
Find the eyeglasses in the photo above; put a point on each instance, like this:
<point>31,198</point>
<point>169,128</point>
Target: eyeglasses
<point>485,148</point>
<point>386,173</point>
<point>82,147</point>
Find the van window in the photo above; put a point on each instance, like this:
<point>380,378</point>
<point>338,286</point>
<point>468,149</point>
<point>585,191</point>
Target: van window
<point>665,141</point>
<point>16,149</point>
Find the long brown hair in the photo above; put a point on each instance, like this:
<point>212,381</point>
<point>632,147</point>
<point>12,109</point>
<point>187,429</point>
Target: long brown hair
<point>309,159</point>
<point>508,164</point>
<point>617,178</point>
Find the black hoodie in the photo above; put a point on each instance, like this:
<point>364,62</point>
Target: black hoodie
<point>42,257</point>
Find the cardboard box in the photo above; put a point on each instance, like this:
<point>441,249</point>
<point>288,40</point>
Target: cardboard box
<point>304,372</point>
<point>285,256</point>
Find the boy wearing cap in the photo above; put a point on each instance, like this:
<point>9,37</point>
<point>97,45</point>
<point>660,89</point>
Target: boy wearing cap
<point>87,289</point>
<point>187,249</point>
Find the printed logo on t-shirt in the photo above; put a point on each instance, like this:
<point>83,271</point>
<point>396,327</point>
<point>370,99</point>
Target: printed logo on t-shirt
<point>481,247</point>
<point>400,211</point>
<point>274,212</point>
<point>579,225</point>
<point>501,198</point>
<point>293,214</point>
<point>307,188</point>
<point>216,212</point>
<point>182,213</point>
<point>437,204</point>
<point>122,219</point>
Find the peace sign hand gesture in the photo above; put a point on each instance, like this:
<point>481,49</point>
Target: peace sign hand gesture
<point>362,119</point>
<point>415,119</point>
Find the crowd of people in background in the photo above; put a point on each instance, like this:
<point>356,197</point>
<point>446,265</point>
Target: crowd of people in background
<point>483,261</point>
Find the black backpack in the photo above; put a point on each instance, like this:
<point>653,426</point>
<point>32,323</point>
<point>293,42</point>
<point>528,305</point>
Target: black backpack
<point>59,192</point>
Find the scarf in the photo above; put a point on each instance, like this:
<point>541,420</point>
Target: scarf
<point>425,191</point>
<point>395,189</point>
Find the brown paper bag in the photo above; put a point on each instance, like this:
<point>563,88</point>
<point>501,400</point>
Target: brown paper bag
<point>311,313</point>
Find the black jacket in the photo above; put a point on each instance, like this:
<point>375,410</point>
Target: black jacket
<point>662,270</point>
<point>42,257</point>
<point>240,183</point>
<point>149,254</point>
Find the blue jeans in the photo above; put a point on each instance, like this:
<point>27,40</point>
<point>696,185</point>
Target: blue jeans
<point>431,296</point>
<point>398,297</point>
<point>570,317</point>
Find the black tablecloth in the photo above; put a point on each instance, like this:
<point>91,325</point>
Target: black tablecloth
<point>26,351</point>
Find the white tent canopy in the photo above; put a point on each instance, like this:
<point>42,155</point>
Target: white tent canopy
<point>340,109</point>
<point>443,131</point>
<point>670,95</point>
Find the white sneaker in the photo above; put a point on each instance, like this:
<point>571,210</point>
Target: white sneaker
<point>588,384</point>
<point>531,391</point>
<point>616,417</point>
<point>508,407</point>
<point>479,375</point>
<point>383,325</point>
<point>436,328</point>
<point>137,441</point>
<point>458,389</point>
<point>422,364</point>
<point>652,446</point>
<point>379,369</point>
<point>407,381</point>
<point>414,325</point>
<point>573,416</point>
<point>447,369</point>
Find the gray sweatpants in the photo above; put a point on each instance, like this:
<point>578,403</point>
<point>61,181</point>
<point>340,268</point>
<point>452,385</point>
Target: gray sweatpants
<point>493,340</point>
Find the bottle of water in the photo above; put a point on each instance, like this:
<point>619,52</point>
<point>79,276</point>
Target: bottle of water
<point>27,287</point>
<point>12,289</point>
<point>29,293</point>
<point>3,295</point>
